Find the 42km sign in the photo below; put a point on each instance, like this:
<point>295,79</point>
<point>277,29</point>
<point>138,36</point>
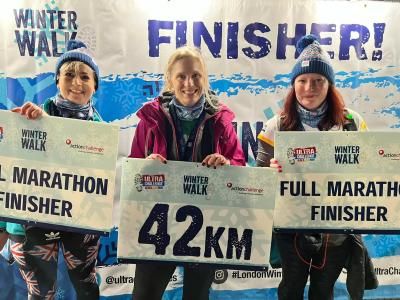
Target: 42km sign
<point>185,212</point>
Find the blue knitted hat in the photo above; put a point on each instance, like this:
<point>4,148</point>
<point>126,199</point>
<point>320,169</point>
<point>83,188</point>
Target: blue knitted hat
<point>77,51</point>
<point>312,59</point>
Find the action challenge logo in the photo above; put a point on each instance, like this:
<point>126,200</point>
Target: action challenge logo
<point>85,148</point>
<point>1,133</point>
<point>301,154</point>
<point>245,189</point>
<point>381,152</point>
<point>149,182</point>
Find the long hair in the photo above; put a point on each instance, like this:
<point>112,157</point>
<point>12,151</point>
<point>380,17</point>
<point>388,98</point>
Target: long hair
<point>290,120</point>
<point>193,53</point>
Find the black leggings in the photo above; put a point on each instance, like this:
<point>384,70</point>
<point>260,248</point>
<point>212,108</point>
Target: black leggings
<point>151,280</point>
<point>37,258</point>
<point>295,272</point>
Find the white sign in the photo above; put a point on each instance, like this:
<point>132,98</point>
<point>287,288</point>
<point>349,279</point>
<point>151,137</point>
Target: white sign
<point>346,181</point>
<point>186,212</point>
<point>57,171</point>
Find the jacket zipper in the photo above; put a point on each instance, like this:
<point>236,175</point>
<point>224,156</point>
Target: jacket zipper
<point>196,142</point>
<point>173,133</point>
<point>146,149</point>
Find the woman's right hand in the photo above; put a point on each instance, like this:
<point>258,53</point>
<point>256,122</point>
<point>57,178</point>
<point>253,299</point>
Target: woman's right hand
<point>30,110</point>
<point>275,164</point>
<point>158,157</point>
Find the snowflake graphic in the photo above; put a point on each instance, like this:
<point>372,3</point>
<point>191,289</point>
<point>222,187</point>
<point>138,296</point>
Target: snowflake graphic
<point>60,294</point>
<point>87,34</point>
<point>126,92</point>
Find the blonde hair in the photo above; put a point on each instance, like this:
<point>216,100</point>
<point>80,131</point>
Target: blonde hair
<point>195,54</point>
<point>74,66</point>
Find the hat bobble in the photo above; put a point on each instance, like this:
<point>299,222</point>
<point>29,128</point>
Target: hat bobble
<point>77,51</point>
<point>305,41</point>
<point>75,44</point>
<point>312,59</point>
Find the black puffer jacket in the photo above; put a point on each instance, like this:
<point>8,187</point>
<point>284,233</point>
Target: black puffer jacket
<point>360,271</point>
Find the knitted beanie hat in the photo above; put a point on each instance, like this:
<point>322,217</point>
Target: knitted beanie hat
<point>77,51</point>
<point>312,59</point>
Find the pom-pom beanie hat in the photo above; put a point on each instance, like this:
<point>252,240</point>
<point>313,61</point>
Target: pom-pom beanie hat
<point>312,59</point>
<point>77,51</point>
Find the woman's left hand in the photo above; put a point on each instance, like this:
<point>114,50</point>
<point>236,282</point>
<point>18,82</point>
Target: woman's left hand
<point>215,160</point>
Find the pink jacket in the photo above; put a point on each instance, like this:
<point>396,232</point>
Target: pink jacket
<point>151,133</point>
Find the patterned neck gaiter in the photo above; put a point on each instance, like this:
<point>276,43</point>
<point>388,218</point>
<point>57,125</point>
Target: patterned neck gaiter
<point>312,117</point>
<point>72,110</point>
<point>188,113</point>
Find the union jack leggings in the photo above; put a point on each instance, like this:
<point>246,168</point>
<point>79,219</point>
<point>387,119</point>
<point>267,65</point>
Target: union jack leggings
<point>37,257</point>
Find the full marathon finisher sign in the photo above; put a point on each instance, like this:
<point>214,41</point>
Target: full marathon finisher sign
<point>57,172</point>
<point>185,212</point>
<point>338,181</point>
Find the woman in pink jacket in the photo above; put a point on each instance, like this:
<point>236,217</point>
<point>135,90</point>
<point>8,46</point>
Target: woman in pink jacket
<point>185,123</point>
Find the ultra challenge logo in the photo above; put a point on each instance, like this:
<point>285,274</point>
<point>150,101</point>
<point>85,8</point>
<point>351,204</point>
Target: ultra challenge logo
<point>301,154</point>
<point>149,182</point>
